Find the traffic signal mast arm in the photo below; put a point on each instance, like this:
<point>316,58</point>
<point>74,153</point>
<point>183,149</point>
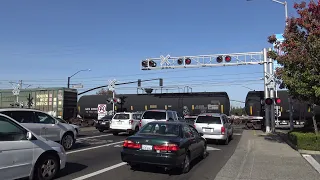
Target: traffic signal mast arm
<point>235,59</point>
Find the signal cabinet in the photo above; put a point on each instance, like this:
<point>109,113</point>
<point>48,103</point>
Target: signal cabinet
<point>59,102</point>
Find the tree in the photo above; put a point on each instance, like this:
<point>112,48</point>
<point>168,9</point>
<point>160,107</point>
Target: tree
<point>103,91</point>
<point>301,58</point>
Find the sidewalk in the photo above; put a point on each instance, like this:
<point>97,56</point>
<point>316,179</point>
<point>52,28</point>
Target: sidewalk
<point>266,157</point>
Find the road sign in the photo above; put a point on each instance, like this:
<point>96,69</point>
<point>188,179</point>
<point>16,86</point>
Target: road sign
<point>111,85</point>
<point>102,108</point>
<point>164,60</point>
<point>16,92</point>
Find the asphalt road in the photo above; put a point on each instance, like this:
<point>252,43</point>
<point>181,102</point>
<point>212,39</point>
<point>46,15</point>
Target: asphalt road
<point>97,156</point>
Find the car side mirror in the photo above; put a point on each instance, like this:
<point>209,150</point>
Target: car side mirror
<point>201,134</point>
<point>29,135</point>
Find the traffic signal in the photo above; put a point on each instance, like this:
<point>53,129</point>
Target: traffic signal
<point>187,61</point>
<point>268,101</point>
<point>226,59</point>
<point>277,100</point>
<point>161,82</point>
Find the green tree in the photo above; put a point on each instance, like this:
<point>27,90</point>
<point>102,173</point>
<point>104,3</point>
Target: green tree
<point>301,58</point>
<point>103,91</point>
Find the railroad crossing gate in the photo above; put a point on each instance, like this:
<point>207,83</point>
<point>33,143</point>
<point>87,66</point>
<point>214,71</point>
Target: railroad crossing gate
<point>102,110</point>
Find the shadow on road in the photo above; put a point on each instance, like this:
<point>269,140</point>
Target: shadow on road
<point>160,170</point>
<point>272,138</point>
<point>71,168</point>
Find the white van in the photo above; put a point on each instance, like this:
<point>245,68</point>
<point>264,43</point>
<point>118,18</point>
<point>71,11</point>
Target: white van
<point>125,122</point>
<point>24,154</point>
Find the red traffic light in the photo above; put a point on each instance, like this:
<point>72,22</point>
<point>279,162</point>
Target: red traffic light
<point>188,61</point>
<point>278,100</point>
<point>144,63</point>
<point>219,59</point>
<point>152,63</point>
<point>268,101</point>
<point>180,61</point>
<point>227,58</point>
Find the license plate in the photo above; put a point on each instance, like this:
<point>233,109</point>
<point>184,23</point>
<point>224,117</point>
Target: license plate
<point>119,123</point>
<point>206,130</point>
<point>103,123</point>
<point>146,147</point>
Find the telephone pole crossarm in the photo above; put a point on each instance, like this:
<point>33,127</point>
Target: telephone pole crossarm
<point>214,60</point>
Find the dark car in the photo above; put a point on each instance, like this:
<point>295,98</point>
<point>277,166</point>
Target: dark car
<point>103,123</point>
<point>165,144</point>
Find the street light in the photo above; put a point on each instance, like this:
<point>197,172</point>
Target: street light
<point>285,7</point>
<point>75,74</point>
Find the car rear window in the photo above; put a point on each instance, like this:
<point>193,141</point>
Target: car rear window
<point>161,129</point>
<point>157,115</point>
<point>121,116</point>
<point>208,120</point>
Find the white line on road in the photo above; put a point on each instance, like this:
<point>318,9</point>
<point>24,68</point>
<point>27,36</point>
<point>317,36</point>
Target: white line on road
<point>100,171</point>
<point>90,137</point>
<point>95,147</point>
<point>312,162</point>
<point>237,134</point>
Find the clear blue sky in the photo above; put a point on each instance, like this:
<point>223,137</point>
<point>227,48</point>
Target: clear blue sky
<point>44,42</point>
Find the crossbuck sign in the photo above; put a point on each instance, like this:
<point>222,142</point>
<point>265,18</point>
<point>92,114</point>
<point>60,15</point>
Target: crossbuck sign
<point>111,85</point>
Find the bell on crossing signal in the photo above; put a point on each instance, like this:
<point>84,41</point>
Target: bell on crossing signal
<point>144,63</point>
<point>219,59</point>
<point>152,63</point>
<point>227,58</point>
<point>268,101</point>
<point>277,100</point>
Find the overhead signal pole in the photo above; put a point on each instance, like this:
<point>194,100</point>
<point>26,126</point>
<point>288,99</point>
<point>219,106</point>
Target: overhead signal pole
<point>218,60</point>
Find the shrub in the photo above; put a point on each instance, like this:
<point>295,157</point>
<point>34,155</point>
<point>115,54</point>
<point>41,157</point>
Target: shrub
<point>306,141</point>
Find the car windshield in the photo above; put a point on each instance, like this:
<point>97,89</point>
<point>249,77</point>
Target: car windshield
<point>208,120</point>
<point>157,115</point>
<point>161,129</point>
<point>61,120</point>
<point>121,116</point>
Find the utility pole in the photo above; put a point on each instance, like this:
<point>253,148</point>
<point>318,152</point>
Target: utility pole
<point>266,90</point>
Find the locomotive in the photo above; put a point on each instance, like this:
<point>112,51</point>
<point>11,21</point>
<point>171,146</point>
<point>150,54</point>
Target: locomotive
<point>254,106</point>
<point>184,103</point>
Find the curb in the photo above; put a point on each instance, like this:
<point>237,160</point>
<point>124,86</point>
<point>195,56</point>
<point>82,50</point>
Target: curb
<point>304,153</point>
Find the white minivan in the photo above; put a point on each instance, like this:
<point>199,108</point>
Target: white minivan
<point>42,124</point>
<point>24,154</point>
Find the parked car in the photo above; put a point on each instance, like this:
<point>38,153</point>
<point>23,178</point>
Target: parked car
<point>103,123</point>
<point>42,124</point>
<point>125,122</point>
<point>158,115</point>
<point>166,144</point>
<point>214,126</point>
<point>76,127</point>
<point>24,154</point>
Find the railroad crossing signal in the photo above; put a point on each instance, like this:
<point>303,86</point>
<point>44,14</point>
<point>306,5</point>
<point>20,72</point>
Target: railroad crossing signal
<point>112,85</point>
<point>164,60</point>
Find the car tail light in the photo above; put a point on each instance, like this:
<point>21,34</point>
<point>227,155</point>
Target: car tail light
<point>223,130</point>
<point>131,144</point>
<point>131,121</point>
<point>166,147</point>
<point>140,123</point>
<point>194,125</point>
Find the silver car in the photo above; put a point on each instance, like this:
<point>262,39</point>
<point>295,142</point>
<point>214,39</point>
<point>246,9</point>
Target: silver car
<point>214,126</point>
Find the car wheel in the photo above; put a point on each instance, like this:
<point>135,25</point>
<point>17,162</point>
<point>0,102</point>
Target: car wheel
<point>67,141</point>
<point>226,141</point>
<point>46,168</point>
<point>100,130</point>
<point>186,165</point>
<point>204,153</point>
<point>134,166</point>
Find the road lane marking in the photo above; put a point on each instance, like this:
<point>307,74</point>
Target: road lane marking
<point>237,134</point>
<point>90,137</point>
<point>100,171</point>
<point>95,147</point>
<point>312,162</point>
<point>212,149</point>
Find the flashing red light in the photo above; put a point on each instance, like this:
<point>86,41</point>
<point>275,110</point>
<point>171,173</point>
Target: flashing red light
<point>268,101</point>
<point>144,63</point>
<point>219,59</point>
<point>180,61</point>
<point>278,100</point>
<point>227,58</point>
<point>166,147</point>
<point>188,61</point>
<point>152,63</point>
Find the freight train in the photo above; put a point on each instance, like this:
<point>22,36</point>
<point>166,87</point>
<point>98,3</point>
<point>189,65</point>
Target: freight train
<point>183,103</point>
<point>254,106</point>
